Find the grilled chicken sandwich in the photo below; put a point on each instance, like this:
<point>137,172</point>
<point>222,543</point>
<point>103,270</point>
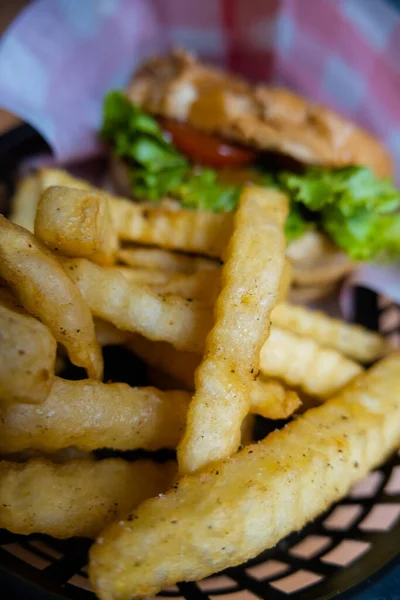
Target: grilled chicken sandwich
<point>190,132</point>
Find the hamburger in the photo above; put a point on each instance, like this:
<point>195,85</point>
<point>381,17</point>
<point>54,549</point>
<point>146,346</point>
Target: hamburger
<point>192,133</point>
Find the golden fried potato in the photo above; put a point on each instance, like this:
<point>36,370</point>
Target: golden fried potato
<point>286,280</point>
<point>232,511</point>
<point>76,223</point>
<point>26,197</point>
<point>301,362</point>
<point>41,286</point>
<point>59,456</point>
<point>176,229</point>
<point>272,400</point>
<point>247,430</point>
<point>28,353</point>
<point>108,335</point>
<point>137,308</point>
<point>164,260</point>
<point>203,286</point>
<point>89,415</point>
<point>269,398</point>
<point>49,177</point>
<point>352,340</point>
<point>25,201</point>
<point>249,289</point>
<point>78,497</point>
<point>149,277</point>
<point>193,231</point>
<point>180,365</point>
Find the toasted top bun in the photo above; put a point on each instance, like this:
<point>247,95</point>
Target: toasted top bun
<point>180,87</point>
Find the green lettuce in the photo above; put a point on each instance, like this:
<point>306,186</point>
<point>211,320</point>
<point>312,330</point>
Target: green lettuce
<point>157,168</point>
<point>296,225</point>
<point>360,213</point>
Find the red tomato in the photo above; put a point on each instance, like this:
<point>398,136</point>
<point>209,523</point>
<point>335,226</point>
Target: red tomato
<point>204,148</point>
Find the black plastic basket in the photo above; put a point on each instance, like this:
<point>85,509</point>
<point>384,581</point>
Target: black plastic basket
<point>356,539</point>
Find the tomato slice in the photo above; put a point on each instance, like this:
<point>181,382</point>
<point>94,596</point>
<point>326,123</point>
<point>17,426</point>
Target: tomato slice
<point>204,148</point>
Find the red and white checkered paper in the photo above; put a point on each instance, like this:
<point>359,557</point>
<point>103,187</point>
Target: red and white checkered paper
<point>59,58</point>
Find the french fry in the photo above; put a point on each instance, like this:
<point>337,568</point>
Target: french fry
<point>269,398</point>
<point>60,456</point>
<point>247,430</point>
<point>41,286</point>
<point>193,231</point>
<point>24,202</point>
<point>199,232</point>
<point>76,223</point>
<point>26,197</point>
<point>352,340</point>
<point>180,365</point>
<point>272,400</point>
<point>78,497</point>
<point>108,335</point>
<point>137,309</point>
<point>286,280</point>
<point>152,278</point>
<point>249,289</point>
<point>49,177</point>
<point>235,509</point>
<point>27,351</point>
<point>90,415</point>
<point>315,260</point>
<point>203,286</point>
<point>61,363</point>
<point>164,260</point>
<point>301,362</point>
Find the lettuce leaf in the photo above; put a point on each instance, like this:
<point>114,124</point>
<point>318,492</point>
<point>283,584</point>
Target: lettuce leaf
<point>157,168</point>
<point>358,211</point>
<point>296,225</point>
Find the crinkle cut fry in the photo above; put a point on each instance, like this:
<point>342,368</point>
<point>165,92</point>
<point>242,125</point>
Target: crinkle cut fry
<point>27,351</point>
<point>137,308</point>
<point>78,497</point>
<point>296,360</point>
<point>24,202</point>
<point>165,260</point>
<point>249,290</point>
<point>302,362</point>
<point>194,231</point>
<point>269,398</point>
<point>351,340</point>
<point>199,232</point>
<point>90,415</point>
<point>272,400</point>
<point>41,286</point>
<point>76,223</point>
<point>229,513</point>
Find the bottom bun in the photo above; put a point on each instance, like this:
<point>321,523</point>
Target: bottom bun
<point>317,262</point>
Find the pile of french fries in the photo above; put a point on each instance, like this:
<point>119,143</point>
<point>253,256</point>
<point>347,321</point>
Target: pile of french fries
<point>202,298</point>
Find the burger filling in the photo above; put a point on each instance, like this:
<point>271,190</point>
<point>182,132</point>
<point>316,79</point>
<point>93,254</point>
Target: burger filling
<point>360,213</point>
